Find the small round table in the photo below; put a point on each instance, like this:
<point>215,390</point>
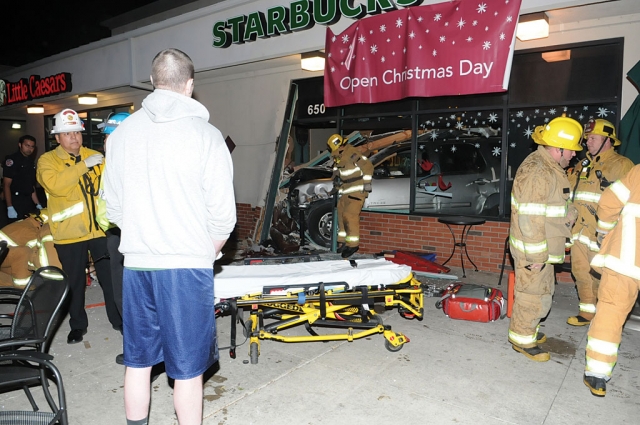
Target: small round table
<point>467,222</point>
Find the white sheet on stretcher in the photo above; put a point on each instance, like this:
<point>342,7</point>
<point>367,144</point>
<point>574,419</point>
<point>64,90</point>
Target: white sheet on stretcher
<point>236,281</point>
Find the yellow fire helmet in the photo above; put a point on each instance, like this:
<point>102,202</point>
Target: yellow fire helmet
<point>561,132</point>
<point>334,142</point>
<point>602,128</point>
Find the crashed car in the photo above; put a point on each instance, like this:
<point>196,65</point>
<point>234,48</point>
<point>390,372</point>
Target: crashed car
<point>460,177</point>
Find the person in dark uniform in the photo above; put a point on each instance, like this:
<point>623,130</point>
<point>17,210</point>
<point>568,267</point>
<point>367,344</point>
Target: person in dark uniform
<point>19,180</point>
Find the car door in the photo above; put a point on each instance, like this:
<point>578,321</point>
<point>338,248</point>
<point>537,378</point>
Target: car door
<point>391,181</point>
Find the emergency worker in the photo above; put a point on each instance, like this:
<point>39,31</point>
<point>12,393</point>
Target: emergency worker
<point>70,175</point>
<point>19,180</point>
<point>541,221</point>
<point>602,166</point>
<point>618,214</point>
<point>352,173</point>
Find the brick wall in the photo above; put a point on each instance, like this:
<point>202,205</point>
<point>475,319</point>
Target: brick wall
<point>247,217</point>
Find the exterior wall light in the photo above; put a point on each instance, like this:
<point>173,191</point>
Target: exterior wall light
<point>16,126</point>
<point>88,99</point>
<point>35,109</point>
<point>557,56</point>
<point>312,61</point>
<point>533,26</point>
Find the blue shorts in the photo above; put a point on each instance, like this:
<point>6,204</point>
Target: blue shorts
<point>169,316</point>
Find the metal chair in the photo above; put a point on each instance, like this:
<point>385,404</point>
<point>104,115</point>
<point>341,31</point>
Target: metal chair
<point>25,337</point>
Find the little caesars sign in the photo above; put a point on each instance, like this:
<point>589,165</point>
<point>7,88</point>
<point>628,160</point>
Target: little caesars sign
<point>300,15</point>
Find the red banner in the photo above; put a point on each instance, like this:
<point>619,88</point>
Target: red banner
<point>451,48</point>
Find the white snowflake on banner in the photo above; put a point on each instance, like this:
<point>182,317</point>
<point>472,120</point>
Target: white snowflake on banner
<point>362,39</point>
<point>552,111</point>
<point>427,30</point>
<point>602,112</point>
<point>496,151</point>
<point>388,40</point>
<point>333,39</point>
<point>469,39</point>
<point>474,23</point>
<point>486,28</point>
<point>495,13</point>
<point>482,7</point>
<point>528,132</point>
<point>437,17</point>
<point>420,19</point>
<point>486,45</point>
<point>493,117</point>
<point>502,36</point>
<point>442,38</point>
<point>333,69</point>
<point>520,114</point>
<point>345,38</point>
<point>446,24</point>
<point>509,18</point>
<point>461,23</point>
<point>399,23</point>
<point>454,148</point>
<point>383,59</point>
<point>412,35</point>
<point>435,52</point>
<point>374,49</point>
<point>404,50</point>
<point>383,28</point>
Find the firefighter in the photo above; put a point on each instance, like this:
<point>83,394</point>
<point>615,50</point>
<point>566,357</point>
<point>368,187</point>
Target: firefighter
<point>352,173</point>
<point>618,213</point>
<point>602,166</point>
<point>541,220</point>
<point>70,175</point>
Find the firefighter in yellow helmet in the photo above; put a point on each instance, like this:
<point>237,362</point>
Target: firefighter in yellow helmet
<point>619,257</point>
<point>352,173</point>
<point>541,221</point>
<point>601,167</point>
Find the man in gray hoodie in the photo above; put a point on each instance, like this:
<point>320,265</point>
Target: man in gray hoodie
<point>169,188</point>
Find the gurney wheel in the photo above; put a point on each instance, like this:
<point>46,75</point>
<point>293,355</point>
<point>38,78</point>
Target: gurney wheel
<point>253,352</point>
<point>391,347</point>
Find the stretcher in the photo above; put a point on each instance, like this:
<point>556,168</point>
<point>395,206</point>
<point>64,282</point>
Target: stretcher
<point>337,296</point>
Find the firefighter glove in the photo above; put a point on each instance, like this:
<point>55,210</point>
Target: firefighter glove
<point>572,216</point>
<point>94,160</point>
<point>11,212</point>
<point>39,206</point>
<point>600,238</point>
<point>367,187</point>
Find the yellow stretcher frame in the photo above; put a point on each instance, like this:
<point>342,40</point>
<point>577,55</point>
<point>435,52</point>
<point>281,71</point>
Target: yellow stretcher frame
<point>331,305</point>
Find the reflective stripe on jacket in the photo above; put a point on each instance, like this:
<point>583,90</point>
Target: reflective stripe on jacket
<point>72,190</point>
<point>620,203</point>
<point>539,204</point>
<point>587,188</point>
<point>354,170</point>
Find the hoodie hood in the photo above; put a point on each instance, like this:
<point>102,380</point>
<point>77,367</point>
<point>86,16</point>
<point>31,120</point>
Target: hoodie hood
<point>166,106</point>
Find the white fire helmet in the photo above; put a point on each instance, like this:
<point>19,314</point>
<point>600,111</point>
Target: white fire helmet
<point>67,121</point>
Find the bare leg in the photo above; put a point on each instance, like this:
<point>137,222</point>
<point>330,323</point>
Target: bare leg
<point>137,392</point>
<point>187,400</point>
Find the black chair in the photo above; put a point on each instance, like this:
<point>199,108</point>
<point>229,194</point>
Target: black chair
<point>25,337</point>
<point>559,268</point>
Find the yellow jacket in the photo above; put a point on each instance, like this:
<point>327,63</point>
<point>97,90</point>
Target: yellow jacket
<point>72,191</point>
<point>618,217</point>
<point>539,210</point>
<point>587,188</point>
<point>355,170</point>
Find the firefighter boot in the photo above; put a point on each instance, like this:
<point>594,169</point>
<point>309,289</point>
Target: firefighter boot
<point>341,247</point>
<point>597,386</point>
<point>535,353</point>
<point>578,321</point>
<point>541,338</point>
<point>349,251</point>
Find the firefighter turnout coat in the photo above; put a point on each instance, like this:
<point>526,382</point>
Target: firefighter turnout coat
<point>588,181</point>
<point>619,257</point>
<point>540,231</point>
<point>72,190</point>
<point>355,171</point>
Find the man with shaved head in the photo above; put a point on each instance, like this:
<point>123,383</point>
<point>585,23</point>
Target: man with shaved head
<point>169,188</point>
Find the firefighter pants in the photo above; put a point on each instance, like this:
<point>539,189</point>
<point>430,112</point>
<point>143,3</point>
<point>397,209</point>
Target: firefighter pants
<point>349,207</point>
<point>586,283</point>
<point>74,258</point>
<point>532,301</point>
<point>616,297</point>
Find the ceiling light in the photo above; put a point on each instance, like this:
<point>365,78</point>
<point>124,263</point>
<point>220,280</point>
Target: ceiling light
<point>557,56</point>
<point>533,26</point>
<point>35,109</point>
<point>312,61</point>
<point>88,99</point>
<point>16,126</point>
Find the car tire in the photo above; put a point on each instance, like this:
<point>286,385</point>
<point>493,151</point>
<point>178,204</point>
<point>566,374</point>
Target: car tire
<point>320,222</point>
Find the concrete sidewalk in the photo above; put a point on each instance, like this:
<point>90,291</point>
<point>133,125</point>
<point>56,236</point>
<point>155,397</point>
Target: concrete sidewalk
<point>451,372</point>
